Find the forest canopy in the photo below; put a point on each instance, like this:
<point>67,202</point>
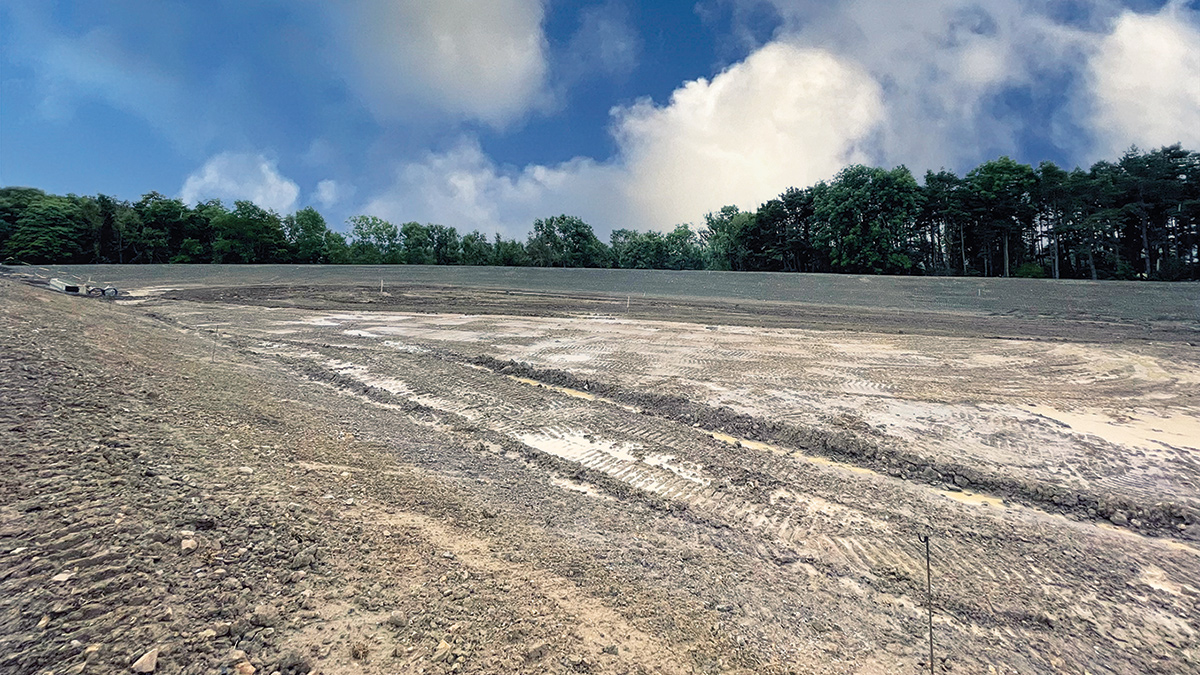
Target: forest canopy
<point>1135,218</point>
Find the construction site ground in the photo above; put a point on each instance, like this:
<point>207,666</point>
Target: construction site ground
<point>335,478</point>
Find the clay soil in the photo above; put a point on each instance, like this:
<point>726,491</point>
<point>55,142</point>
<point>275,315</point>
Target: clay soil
<point>433,479</point>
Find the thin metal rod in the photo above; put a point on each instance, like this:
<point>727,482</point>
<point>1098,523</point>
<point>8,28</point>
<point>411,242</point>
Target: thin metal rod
<point>928,595</point>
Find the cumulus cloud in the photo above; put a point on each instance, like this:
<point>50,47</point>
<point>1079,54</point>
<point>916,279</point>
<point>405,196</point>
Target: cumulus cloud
<point>330,192</point>
<point>947,66</point>
<point>233,176</point>
<point>940,83</point>
<point>785,116</point>
<point>1145,81</point>
<point>472,60</point>
<point>464,188</point>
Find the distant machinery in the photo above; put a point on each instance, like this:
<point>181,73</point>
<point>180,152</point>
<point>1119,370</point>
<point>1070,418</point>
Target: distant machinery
<point>82,289</point>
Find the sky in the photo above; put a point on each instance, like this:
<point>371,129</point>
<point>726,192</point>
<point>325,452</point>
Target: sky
<point>485,115</point>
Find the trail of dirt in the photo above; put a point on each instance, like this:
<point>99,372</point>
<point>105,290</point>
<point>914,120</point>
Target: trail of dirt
<point>572,493</point>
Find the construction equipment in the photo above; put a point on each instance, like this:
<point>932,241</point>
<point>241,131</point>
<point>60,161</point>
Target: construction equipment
<point>82,289</point>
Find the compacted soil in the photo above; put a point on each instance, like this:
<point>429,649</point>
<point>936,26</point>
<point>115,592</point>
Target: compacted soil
<point>338,480</point>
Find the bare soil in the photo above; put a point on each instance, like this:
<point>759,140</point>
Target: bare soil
<point>466,480</point>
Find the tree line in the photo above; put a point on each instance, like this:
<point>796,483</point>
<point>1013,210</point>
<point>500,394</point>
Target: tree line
<point>1135,218</point>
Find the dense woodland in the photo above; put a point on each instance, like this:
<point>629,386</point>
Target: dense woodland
<point>1136,218</point>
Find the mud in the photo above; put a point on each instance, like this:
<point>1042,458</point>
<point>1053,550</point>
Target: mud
<point>490,483</point>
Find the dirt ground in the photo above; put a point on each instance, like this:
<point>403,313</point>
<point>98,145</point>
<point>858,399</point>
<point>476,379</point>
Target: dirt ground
<point>337,480</point>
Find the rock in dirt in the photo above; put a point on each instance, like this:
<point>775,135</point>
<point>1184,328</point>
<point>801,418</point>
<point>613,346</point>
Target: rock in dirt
<point>245,470</point>
<point>244,668</point>
<point>147,663</point>
<point>264,615</point>
<point>538,652</point>
<point>303,559</point>
<point>442,651</point>
<point>187,545</point>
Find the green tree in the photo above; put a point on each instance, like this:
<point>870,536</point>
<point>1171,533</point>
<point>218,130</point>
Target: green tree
<point>866,219</point>
<point>418,244</point>
<point>1002,192</point>
<point>108,235</point>
<point>724,238</point>
<point>334,249</point>
<point>1154,189</point>
<point>780,238</point>
<point>445,244</point>
<point>946,224</point>
<point>165,224</point>
<point>13,202</point>
<point>48,230</point>
<point>376,241</point>
<point>508,253</point>
<point>306,230</point>
<point>249,234</point>
<point>638,250</point>
<point>1100,219</point>
<point>476,249</point>
<point>565,241</point>
<point>1054,202</point>
<point>683,249</point>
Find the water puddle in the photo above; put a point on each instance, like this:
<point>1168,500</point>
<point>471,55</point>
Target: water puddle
<point>686,470</point>
<point>1130,428</point>
<point>578,486</point>
<point>812,459</point>
<point>974,499</point>
<point>575,446</point>
<point>1168,543</point>
<point>573,393</point>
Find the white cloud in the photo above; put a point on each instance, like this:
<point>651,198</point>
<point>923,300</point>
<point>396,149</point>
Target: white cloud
<point>868,81</point>
<point>330,192</point>
<point>464,188</point>
<point>235,176</point>
<point>472,60</point>
<point>945,64</point>
<point>1145,82</point>
<point>785,116</point>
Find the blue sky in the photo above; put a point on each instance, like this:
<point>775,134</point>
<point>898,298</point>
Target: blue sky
<point>486,115</point>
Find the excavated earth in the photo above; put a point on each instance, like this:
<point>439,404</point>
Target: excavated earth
<point>430,479</point>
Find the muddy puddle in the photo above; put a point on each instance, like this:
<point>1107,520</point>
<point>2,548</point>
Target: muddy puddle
<point>573,393</point>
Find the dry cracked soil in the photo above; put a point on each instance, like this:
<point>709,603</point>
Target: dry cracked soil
<point>442,480</point>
